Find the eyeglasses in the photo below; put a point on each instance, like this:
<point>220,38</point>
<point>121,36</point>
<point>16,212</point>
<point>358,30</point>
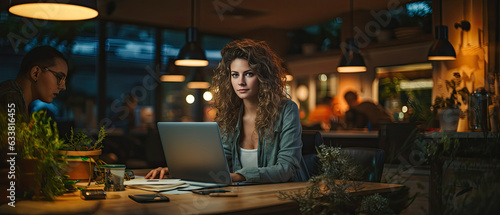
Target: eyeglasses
<point>61,77</point>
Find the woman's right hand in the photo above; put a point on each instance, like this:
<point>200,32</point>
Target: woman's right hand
<point>161,172</point>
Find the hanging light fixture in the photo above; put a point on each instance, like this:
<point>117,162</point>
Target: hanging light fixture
<point>172,74</point>
<point>67,10</point>
<point>191,54</point>
<point>198,81</point>
<point>351,60</point>
<point>442,48</point>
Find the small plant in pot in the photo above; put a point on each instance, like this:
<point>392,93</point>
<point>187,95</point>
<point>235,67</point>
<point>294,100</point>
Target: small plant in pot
<point>448,108</point>
<point>82,153</point>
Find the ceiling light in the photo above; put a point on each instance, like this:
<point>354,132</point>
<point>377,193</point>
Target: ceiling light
<point>191,54</point>
<point>351,60</point>
<point>198,81</point>
<point>172,74</point>
<point>442,48</point>
<point>68,10</point>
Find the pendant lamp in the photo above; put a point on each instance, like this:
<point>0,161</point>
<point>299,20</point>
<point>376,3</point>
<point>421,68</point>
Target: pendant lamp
<point>351,60</point>
<point>442,48</point>
<point>172,74</point>
<point>191,54</point>
<point>67,10</point>
<point>198,81</point>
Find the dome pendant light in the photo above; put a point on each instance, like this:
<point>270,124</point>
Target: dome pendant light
<point>191,55</point>
<point>172,74</point>
<point>68,10</point>
<point>442,48</point>
<point>351,60</point>
<point>198,80</point>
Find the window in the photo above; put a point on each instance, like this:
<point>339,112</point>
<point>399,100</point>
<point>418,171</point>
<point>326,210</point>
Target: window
<point>405,89</point>
<point>76,40</point>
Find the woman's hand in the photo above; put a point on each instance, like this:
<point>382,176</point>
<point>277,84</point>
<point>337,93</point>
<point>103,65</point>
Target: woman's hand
<point>162,172</point>
<point>235,177</point>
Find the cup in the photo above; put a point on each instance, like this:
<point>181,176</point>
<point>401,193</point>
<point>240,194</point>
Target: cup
<point>113,177</point>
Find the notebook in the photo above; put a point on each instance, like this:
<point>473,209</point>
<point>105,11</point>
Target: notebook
<point>194,153</point>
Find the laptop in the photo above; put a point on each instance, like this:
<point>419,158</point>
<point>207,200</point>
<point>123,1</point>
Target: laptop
<point>194,153</point>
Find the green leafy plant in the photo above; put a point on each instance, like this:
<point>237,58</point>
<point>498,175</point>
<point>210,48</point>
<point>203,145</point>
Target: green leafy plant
<point>391,87</point>
<point>39,141</point>
<point>81,142</point>
<point>452,101</point>
<point>473,174</point>
<point>329,191</point>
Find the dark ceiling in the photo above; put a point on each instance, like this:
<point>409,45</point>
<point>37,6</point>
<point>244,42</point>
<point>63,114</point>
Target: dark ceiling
<point>231,17</point>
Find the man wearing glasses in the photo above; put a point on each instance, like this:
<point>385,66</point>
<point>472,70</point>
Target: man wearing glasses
<point>42,76</point>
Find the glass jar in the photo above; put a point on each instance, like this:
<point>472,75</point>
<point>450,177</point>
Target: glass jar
<point>478,110</point>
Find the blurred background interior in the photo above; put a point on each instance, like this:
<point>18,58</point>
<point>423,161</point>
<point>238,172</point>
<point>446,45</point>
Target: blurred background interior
<point>117,60</point>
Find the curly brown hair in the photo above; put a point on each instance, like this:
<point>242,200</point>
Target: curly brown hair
<point>267,65</point>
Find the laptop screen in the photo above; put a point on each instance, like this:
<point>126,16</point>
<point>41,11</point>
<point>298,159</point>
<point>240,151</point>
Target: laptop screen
<point>194,151</point>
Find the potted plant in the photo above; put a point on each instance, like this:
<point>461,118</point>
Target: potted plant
<point>448,108</point>
<point>81,153</point>
<point>328,192</point>
<point>40,171</point>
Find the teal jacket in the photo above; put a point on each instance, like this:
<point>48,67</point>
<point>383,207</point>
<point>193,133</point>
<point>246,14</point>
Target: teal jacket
<point>278,161</point>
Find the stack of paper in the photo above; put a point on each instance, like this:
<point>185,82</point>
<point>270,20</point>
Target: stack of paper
<point>156,185</point>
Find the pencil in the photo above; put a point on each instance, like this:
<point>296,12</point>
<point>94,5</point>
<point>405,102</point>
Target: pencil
<point>223,194</point>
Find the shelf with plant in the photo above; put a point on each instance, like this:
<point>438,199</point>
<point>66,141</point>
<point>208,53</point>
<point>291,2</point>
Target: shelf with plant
<point>448,108</point>
<point>453,85</point>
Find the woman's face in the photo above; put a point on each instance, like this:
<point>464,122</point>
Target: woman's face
<point>244,80</point>
<point>51,81</point>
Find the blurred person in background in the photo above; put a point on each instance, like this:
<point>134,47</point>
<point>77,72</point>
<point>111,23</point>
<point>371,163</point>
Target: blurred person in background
<point>364,114</point>
<point>124,118</point>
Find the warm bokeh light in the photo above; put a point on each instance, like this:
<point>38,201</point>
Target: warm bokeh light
<point>198,85</point>
<point>302,92</point>
<point>191,63</point>
<point>351,69</point>
<point>173,78</point>
<point>404,109</point>
<point>441,58</point>
<point>190,99</point>
<point>323,77</point>
<point>207,96</point>
<point>53,11</point>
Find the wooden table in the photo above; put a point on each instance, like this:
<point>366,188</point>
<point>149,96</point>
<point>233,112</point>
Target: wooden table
<point>254,199</point>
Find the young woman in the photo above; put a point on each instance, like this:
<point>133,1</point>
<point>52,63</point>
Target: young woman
<point>260,127</point>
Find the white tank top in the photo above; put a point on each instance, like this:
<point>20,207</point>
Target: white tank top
<point>248,157</point>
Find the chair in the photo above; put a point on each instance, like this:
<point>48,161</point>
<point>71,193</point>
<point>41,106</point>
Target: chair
<point>311,140</point>
<point>396,139</point>
<point>371,161</point>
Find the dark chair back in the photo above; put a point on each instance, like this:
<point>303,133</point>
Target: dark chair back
<point>396,139</point>
<point>371,161</point>
<point>311,140</point>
